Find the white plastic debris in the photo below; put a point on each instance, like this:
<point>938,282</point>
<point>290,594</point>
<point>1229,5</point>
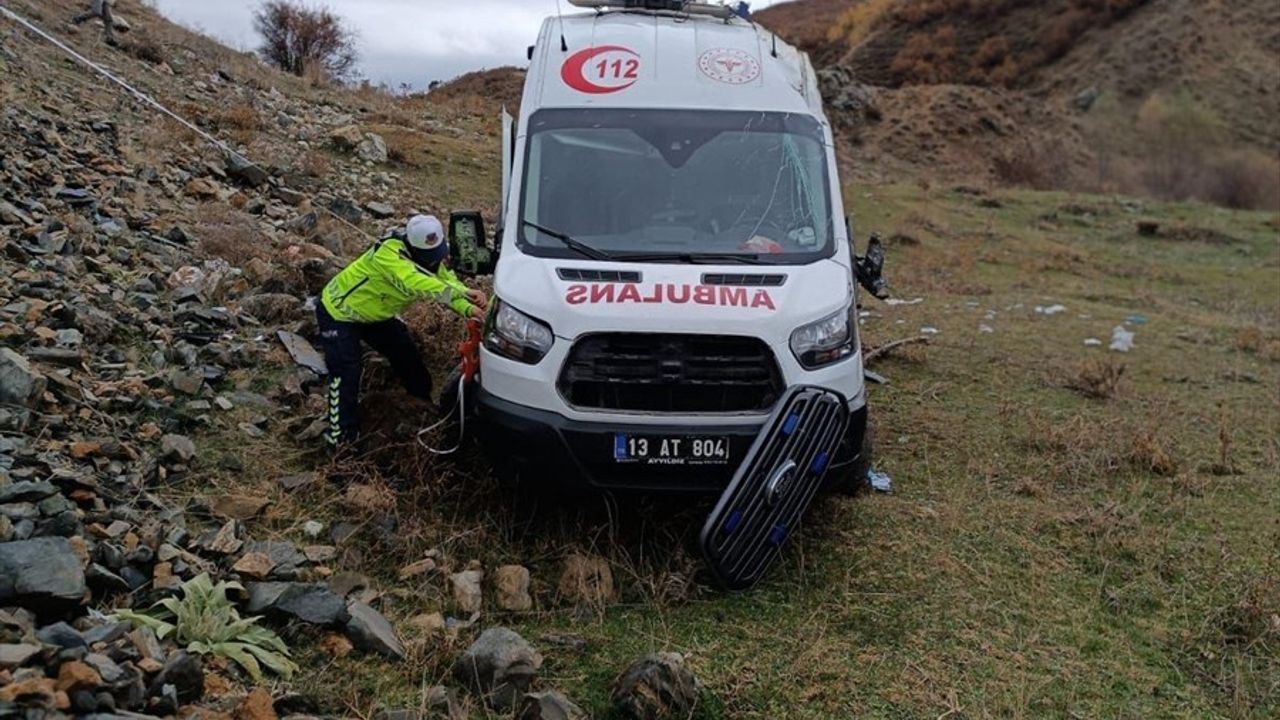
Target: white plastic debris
<point>1050,309</point>
<point>1121,339</point>
<point>900,301</point>
<point>879,481</point>
<point>927,330</point>
<point>1092,342</point>
<point>985,328</point>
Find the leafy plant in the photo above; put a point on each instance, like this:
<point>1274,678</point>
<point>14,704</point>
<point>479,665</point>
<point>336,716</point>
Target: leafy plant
<point>206,622</point>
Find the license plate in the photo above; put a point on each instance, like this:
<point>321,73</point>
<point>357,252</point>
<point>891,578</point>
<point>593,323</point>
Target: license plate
<point>668,450</point>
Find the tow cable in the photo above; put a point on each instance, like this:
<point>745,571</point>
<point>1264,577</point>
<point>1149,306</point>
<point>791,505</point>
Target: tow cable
<point>469,350</point>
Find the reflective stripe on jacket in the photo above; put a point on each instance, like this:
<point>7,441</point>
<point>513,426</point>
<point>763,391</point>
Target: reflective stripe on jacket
<point>383,281</point>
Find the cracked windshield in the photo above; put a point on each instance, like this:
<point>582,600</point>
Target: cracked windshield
<point>647,185</point>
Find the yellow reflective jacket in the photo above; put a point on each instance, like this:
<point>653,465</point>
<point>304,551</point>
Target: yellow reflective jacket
<point>383,281</point>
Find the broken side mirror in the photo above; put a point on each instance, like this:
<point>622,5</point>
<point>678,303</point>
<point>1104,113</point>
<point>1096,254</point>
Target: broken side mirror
<point>469,254</point>
<point>870,268</point>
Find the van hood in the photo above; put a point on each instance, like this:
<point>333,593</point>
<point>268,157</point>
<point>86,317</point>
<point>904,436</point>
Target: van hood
<point>768,302</point>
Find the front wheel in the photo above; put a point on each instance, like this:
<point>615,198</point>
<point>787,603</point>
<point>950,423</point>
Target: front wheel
<point>852,479</point>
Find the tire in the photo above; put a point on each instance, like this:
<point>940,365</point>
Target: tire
<point>852,480</point>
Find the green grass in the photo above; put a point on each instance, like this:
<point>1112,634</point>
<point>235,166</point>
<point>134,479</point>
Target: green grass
<point>1030,563</point>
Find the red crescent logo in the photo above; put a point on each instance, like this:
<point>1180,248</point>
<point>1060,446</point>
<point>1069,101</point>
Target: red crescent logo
<point>615,68</point>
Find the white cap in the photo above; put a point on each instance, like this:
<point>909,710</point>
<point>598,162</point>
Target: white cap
<point>424,232</point>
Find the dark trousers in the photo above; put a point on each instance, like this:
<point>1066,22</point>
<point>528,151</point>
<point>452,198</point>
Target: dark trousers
<point>341,342</point>
<point>101,8</point>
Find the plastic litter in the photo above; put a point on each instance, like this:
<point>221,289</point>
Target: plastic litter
<point>1121,339</point>
<point>985,328</point>
<point>879,481</point>
<point>1136,319</point>
<point>929,330</point>
<point>1050,309</point>
<point>900,301</point>
<point>1092,342</point>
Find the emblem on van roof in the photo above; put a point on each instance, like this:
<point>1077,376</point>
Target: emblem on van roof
<point>601,70</point>
<point>729,65</point>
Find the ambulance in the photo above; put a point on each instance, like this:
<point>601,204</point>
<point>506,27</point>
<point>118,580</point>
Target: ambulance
<point>672,254</point>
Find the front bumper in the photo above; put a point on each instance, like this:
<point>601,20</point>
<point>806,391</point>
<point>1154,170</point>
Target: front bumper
<point>547,447</point>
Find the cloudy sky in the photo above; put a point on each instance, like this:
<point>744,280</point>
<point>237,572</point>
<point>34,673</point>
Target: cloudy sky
<point>401,41</point>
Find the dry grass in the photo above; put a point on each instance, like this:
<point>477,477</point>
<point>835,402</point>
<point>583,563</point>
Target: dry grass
<point>226,233</point>
<point>1098,379</point>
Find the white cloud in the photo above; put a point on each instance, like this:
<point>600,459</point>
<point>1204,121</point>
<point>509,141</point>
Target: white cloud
<point>402,41</point>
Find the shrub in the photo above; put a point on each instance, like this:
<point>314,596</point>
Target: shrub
<point>299,40</point>
<point>1040,166</point>
<point>238,117</point>
<point>224,232</point>
<point>205,621</point>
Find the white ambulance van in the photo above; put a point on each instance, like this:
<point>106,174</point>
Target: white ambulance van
<point>672,253</point>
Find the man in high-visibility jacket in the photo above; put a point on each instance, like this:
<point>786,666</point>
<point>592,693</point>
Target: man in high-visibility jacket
<point>362,303</point>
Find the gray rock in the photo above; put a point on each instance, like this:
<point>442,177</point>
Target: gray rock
<point>20,384</point>
<point>245,172</point>
<point>549,705</point>
<point>347,210</point>
<point>656,686</point>
<point>1085,99</point>
<point>187,382</point>
<point>185,673</point>
<point>43,574</point>
<point>106,632</point>
<point>6,529</point>
<point>380,210</point>
<point>372,632</point>
<point>146,643</point>
<point>372,148</point>
<point>26,491</point>
<point>61,635</point>
<point>312,603</point>
<point>345,583</point>
<point>20,511</point>
<point>499,666</point>
<point>107,668</point>
<point>844,92</point>
<point>16,655</point>
<point>177,448</point>
<point>285,558</point>
<point>224,541</point>
<point>287,195</point>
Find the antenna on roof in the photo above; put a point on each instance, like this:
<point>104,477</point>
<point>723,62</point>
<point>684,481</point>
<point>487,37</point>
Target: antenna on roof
<point>564,46</point>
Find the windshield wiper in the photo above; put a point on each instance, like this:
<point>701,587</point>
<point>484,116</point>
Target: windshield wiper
<point>580,247</point>
<point>695,258</point>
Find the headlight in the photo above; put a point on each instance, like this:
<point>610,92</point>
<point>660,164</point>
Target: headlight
<point>829,340</point>
<point>513,334</point>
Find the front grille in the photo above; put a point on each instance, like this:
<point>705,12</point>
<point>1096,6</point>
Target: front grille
<point>671,373</point>
<point>744,279</point>
<point>583,275</point>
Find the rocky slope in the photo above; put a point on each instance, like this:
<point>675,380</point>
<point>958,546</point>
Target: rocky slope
<point>152,305</point>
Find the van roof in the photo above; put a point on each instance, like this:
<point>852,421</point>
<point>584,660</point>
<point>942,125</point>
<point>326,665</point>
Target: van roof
<point>647,59</point>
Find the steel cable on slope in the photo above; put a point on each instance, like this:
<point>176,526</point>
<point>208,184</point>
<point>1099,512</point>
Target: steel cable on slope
<point>148,100</point>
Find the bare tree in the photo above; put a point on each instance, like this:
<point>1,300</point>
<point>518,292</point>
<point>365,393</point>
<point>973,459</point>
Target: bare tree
<point>301,39</point>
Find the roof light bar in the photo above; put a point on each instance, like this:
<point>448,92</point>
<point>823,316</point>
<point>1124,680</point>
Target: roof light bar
<point>690,7</point>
